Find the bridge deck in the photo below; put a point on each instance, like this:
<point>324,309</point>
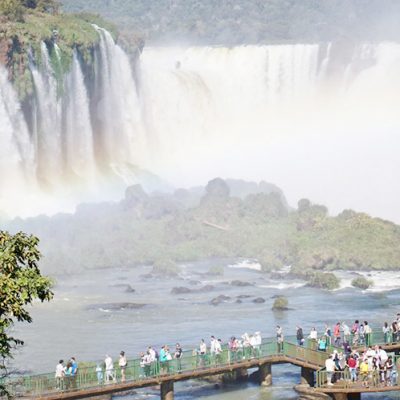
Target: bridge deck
<point>87,383</point>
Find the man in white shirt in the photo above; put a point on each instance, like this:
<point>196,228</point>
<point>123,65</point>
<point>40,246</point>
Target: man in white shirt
<point>109,368</point>
<point>60,373</point>
<point>330,369</point>
<point>212,345</point>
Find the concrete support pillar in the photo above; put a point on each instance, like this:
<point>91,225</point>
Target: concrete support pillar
<point>265,372</point>
<point>167,390</point>
<point>307,376</point>
<point>241,374</point>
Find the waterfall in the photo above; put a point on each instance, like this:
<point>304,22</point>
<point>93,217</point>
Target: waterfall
<point>48,133</point>
<point>16,150</point>
<point>118,110</point>
<point>317,119</point>
<point>78,133</point>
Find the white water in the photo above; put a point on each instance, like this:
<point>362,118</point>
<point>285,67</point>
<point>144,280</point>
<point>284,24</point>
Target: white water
<point>16,152</point>
<point>306,117</point>
<point>118,107</point>
<point>79,135</point>
<point>319,123</point>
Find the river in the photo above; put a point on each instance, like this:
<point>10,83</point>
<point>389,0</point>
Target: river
<point>85,320</point>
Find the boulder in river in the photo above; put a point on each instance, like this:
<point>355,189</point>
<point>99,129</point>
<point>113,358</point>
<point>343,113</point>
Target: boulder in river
<point>219,299</point>
<point>241,283</point>
<point>259,300</point>
<point>181,290</point>
<point>128,288</point>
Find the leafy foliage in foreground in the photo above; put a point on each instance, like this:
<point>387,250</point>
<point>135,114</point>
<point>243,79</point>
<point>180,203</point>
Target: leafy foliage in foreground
<point>20,284</point>
<point>185,226</point>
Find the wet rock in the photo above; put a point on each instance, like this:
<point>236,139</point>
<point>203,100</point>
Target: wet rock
<point>238,301</point>
<point>194,282</point>
<point>259,300</point>
<point>181,290</point>
<point>243,296</point>
<point>128,288</point>
<point>241,283</point>
<point>206,288</point>
<point>219,299</point>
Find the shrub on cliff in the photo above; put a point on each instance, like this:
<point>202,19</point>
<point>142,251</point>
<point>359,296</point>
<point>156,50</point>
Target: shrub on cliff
<point>12,10</point>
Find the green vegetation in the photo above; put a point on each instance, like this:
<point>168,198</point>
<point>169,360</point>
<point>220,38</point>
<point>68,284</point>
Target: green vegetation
<point>251,21</point>
<point>144,229</point>
<point>280,304</point>
<point>361,282</point>
<point>25,24</point>
<point>20,284</point>
<point>323,280</point>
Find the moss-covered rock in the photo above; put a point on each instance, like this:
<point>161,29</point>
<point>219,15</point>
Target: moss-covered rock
<point>323,280</point>
<point>280,304</point>
<point>361,283</point>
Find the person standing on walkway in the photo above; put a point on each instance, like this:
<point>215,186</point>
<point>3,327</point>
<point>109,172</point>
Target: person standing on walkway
<point>313,336</point>
<point>178,357</point>
<point>346,332</point>
<point>60,373</point>
<point>352,364</point>
<point>330,370</point>
<point>299,336</point>
<point>367,333</point>
<point>203,352</point>
<point>386,332</point>
<point>279,338</point>
<point>109,369</point>
<point>122,365</point>
<point>99,374</point>
<point>74,372</point>
<point>336,334</point>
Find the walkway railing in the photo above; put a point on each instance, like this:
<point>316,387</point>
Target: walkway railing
<point>87,376</point>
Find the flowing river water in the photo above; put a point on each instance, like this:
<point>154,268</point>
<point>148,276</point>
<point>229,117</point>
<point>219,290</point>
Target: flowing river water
<point>87,319</point>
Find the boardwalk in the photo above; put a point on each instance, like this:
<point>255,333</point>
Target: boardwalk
<point>236,364</point>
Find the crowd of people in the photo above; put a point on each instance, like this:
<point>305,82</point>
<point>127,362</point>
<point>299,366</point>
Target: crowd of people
<point>372,366</point>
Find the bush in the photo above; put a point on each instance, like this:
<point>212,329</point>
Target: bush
<point>323,280</point>
<point>12,9</point>
<point>166,267</point>
<point>280,304</point>
<point>361,283</point>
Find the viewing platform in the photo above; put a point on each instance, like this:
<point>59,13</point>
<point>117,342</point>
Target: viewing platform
<point>229,365</point>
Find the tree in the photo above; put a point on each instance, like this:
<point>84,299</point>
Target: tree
<point>20,284</point>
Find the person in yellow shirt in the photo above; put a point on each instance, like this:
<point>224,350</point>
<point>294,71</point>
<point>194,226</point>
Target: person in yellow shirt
<point>364,372</point>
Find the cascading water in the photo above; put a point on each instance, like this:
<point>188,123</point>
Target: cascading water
<point>315,119</point>
<point>78,131</point>
<point>16,150</point>
<point>118,110</point>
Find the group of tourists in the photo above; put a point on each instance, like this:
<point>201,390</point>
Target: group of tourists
<point>342,334</point>
<point>373,367</point>
<point>369,366</point>
<point>66,374</point>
